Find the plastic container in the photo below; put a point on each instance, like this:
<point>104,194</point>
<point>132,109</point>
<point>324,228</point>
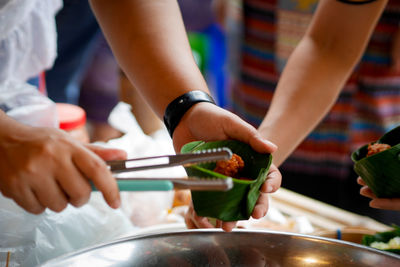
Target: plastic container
<point>349,234</point>
<point>72,119</point>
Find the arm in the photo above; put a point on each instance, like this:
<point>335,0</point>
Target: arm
<point>150,43</point>
<point>317,70</point>
<point>395,52</point>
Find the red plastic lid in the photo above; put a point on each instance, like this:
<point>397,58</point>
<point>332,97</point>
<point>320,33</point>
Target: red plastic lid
<point>70,116</point>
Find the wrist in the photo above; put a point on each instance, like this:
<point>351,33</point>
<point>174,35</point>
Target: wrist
<point>10,128</point>
<point>180,105</point>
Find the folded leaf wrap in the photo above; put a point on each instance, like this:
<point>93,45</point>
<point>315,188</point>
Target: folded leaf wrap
<point>381,171</point>
<point>237,203</point>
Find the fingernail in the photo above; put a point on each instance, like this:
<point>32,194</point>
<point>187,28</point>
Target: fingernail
<point>271,144</point>
<point>119,155</point>
<point>116,204</point>
<point>270,189</point>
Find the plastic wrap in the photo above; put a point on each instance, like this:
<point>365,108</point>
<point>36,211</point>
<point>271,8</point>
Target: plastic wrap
<point>32,239</point>
<point>28,37</point>
<point>143,208</point>
<point>26,104</point>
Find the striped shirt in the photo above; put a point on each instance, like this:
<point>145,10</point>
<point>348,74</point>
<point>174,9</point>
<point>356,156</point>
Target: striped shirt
<point>368,106</point>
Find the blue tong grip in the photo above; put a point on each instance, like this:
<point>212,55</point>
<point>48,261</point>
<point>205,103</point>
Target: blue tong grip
<point>143,185</point>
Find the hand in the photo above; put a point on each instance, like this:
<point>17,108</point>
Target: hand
<point>272,184</point>
<point>45,168</point>
<point>208,122</point>
<point>378,203</point>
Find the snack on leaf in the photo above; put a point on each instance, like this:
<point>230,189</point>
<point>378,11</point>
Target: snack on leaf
<point>231,167</point>
<point>376,148</point>
<point>237,203</point>
<point>381,170</point>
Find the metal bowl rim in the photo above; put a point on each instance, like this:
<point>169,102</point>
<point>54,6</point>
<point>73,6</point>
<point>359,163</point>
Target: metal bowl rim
<point>219,231</point>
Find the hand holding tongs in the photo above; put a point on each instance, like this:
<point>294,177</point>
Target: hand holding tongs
<point>166,184</point>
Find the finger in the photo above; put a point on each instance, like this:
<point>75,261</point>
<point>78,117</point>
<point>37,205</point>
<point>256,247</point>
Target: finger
<point>189,223</point>
<point>75,185</point>
<point>360,181</point>
<point>202,222</point>
<point>385,203</point>
<point>107,153</point>
<point>367,192</point>
<point>261,207</point>
<point>228,226</point>
<point>198,221</point>
<point>95,169</point>
<point>189,218</point>
<point>273,182</point>
<point>49,193</point>
<point>28,201</point>
<point>241,130</point>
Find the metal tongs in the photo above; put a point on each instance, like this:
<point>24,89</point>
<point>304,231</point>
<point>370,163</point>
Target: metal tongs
<point>138,164</point>
<point>166,184</point>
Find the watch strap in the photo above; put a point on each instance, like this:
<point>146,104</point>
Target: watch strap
<point>180,105</point>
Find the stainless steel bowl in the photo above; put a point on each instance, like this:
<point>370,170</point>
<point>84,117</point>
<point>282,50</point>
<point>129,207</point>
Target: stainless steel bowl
<point>238,248</point>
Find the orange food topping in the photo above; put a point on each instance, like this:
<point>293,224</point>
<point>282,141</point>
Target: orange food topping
<point>230,167</point>
<point>376,148</point>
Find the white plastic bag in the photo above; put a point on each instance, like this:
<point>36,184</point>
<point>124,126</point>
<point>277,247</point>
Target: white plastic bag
<point>30,239</point>
<point>28,37</point>
<point>26,104</point>
<point>143,208</point>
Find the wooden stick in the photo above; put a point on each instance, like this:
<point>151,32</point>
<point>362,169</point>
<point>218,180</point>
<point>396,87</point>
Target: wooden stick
<point>8,258</point>
<point>317,209</point>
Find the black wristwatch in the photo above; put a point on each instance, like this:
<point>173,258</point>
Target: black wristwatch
<point>180,105</point>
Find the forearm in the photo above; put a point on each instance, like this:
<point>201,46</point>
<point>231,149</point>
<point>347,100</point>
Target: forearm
<point>316,73</point>
<point>150,43</point>
<point>305,93</point>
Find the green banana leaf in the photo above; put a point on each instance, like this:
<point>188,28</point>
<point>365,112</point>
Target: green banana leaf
<point>382,237</point>
<point>237,203</point>
<point>381,171</point>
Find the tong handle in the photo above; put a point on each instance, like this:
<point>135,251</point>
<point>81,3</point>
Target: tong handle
<point>143,185</point>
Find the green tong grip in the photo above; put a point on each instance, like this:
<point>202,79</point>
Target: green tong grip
<point>143,185</point>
